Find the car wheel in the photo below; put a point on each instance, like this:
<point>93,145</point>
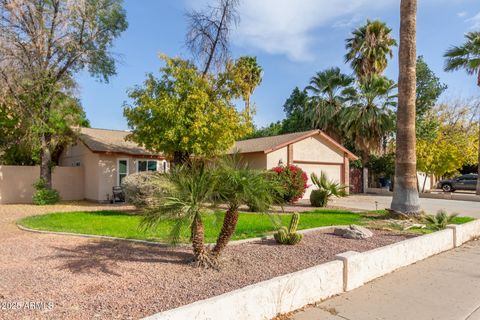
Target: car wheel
<point>447,188</point>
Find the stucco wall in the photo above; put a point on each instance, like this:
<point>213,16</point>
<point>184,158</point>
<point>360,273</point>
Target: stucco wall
<point>274,157</point>
<point>16,183</point>
<point>314,149</point>
<point>334,172</point>
<point>255,160</point>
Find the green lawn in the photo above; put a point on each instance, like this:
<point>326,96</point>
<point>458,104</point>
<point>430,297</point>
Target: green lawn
<point>250,225</point>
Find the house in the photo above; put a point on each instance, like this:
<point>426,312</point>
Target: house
<point>313,151</point>
<point>107,158</point>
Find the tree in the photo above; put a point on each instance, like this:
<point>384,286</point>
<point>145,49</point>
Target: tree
<point>42,45</point>
<point>467,57</point>
<point>369,118</point>
<point>405,194</point>
<point>369,49</point>
<point>246,76</point>
<point>185,194</point>
<point>183,113</point>
<point>209,32</point>
<point>295,108</point>
<point>329,88</point>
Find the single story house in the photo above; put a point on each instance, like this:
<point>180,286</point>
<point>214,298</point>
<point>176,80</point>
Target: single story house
<point>313,151</point>
<point>107,157</point>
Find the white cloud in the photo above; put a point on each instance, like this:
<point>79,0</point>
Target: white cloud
<point>462,14</point>
<point>286,27</point>
<point>474,22</point>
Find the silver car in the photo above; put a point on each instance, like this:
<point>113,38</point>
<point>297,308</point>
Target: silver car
<point>464,182</point>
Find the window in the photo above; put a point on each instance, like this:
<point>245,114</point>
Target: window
<point>147,165</point>
<point>76,164</point>
<point>122,169</point>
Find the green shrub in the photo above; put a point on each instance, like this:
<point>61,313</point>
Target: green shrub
<point>438,221</point>
<point>43,195</point>
<point>144,189</point>
<point>319,198</point>
<point>293,181</point>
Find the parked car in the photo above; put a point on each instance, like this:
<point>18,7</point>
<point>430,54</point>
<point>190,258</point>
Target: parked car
<point>464,182</point>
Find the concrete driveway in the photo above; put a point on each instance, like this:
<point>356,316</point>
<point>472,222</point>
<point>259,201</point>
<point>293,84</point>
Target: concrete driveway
<point>373,202</point>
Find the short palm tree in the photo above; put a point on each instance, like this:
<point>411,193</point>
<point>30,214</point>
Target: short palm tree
<point>328,88</point>
<point>369,117</point>
<point>187,190</point>
<point>325,189</point>
<point>369,48</point>
<point>239,185</point>
<point>467,57</point>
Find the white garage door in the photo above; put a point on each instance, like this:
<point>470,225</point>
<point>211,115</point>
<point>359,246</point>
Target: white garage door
<point>333,172</point>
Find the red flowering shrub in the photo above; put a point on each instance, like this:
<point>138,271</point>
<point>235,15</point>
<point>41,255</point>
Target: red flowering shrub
<point>293,180</point>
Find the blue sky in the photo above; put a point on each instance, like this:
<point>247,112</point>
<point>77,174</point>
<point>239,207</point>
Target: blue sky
<point>291,39</point>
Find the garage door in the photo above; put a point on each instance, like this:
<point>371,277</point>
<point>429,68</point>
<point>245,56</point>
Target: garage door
<point>333,172</point>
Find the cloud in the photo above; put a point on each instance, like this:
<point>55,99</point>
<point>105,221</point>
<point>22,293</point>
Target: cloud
<point>474,22</point>
<point>462,14</point>
<point>287,27</point>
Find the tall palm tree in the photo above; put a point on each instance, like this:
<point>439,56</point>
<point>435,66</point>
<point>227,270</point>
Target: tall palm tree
<point>467,57</point>
<point>186,191</point>
<point>329,88</point>
<point>369,48</point>
<point>405,193</point>
<point>369,117</point>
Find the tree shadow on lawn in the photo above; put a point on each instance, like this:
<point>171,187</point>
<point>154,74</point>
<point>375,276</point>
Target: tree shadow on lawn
<point>104,256</point>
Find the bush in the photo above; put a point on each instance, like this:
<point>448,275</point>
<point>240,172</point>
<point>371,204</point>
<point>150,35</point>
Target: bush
<point>43,195</point>
<point>143,189</point>
<point>438,221</point>
<point>293,180</point>
<point>319,198</point>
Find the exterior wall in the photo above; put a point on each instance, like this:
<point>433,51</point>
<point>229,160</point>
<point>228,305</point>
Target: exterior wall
<point>256,160</point>
<point>334,172</point>
<point>16,183</point>
<point>273,158</point>
<point>314,149</point>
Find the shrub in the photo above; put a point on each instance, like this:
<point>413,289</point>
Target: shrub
<point>326,189</point>
<point>438,221</point>
<point>293,181</point>
<point>43,195</point>
<point>144,189</point>
<point>319,198</point>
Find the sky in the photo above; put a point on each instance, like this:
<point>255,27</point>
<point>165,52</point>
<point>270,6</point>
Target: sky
<point>292,40</point>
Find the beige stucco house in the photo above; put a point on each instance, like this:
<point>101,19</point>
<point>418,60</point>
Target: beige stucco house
<point>107,157</point>
<point>313,151</point>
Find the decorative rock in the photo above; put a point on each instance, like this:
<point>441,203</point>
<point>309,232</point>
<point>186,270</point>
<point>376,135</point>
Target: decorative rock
<point>353,232</point>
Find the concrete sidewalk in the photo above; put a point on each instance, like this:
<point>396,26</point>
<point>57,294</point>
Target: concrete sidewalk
<point>373,202</point>
<point>444,287</point>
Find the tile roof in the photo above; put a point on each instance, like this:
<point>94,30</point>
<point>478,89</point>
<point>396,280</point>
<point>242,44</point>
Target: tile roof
<point>111,141</point>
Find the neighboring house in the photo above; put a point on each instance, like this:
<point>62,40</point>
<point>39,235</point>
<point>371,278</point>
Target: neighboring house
<point>107,158</point>
<point>313,151</point>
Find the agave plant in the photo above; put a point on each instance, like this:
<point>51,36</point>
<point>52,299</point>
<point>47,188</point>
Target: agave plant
<point>438,221</point>
<point>326,189</point>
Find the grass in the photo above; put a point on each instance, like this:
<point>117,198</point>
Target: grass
<point>250,225</point>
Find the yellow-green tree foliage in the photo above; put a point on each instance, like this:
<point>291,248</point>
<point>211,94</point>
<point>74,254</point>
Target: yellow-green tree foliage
<point>452,143</point>
<point>183,113</point>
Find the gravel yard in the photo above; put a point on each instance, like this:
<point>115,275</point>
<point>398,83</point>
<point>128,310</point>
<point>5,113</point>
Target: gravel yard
<point>89,279</point>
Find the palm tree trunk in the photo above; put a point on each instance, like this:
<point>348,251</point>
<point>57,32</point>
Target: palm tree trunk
<point>405,193</point>
<point>228,229</point>
<point>201,255</point>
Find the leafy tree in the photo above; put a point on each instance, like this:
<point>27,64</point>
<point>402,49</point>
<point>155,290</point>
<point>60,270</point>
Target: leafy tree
<point>43,44</point>
<point>369,49</point>
<point>329,88</point>
<point>184,113</point>
<point>467,57</point>
<point>273,129</point>
<point>405,194</point>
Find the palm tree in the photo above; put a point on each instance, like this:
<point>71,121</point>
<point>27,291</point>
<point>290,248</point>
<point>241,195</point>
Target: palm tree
<point>467,57</point>
<point>405,193</point>
<point>328,88</point>
<point>369,118</point>
<point>369,49</point>
<point>187,189</point>
<point>239,185</point>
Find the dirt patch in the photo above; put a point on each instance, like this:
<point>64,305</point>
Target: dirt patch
<point>89,279</point>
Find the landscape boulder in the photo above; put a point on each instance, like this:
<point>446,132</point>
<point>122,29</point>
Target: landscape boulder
<point>353,232</point>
